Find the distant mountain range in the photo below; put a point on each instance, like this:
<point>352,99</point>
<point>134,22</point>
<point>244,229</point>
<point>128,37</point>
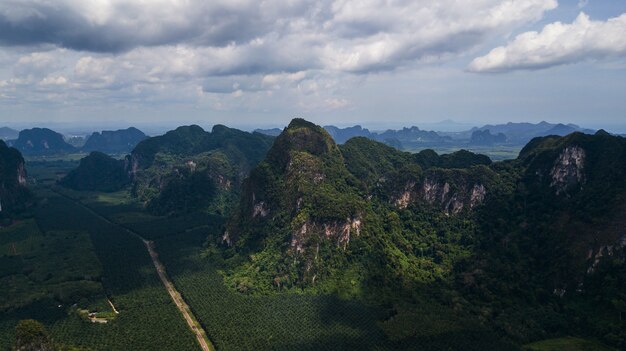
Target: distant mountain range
<point>122,140</point>
<point>521,133</point>
<point>7,133</point>
<point>517,134</point>
<point>44,141</point>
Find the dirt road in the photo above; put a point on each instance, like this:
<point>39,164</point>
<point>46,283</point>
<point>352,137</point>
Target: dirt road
<point>178,300</point>
<point>182,306</point>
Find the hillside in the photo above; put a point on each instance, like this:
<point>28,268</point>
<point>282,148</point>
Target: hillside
<point>97,172</point>
<point>14,196</point>
<point>119,141</point>
<point>558,233</point>
<point>189,168</point>
<point>42,141</point>
<point>501,241</point>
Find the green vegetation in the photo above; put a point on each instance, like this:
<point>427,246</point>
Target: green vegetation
<point>485,239</point>
<point>496,152</point>
<point>147,320</point>
<point>97,172</point>
<point>14,196</point>
<point>188,169</point>
<point>36,265</point>
<point>567,344</point>
<point>358,246</point>
<point>294,321</point>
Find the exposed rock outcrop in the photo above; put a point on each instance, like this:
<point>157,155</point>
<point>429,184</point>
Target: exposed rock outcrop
<point>14,195</point>
<point>440,193</point>
<point>338,232</point>
<point>568,169</point>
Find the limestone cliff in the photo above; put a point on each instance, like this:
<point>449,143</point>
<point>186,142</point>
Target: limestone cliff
<point>14,196</point>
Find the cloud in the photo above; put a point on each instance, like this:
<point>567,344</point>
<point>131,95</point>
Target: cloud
<point>138,49</point>
<point>344,34</point>
<point>558,44</point>
<point>117,25</point>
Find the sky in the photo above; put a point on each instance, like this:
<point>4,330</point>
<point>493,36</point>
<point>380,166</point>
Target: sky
<point>259,63</point>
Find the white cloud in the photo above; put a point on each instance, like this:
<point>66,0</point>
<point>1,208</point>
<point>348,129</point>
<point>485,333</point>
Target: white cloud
<point>558,44</point>
<point>54,80</point>
<point>163,48</point>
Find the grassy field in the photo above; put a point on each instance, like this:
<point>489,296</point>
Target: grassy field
<point>567,344</point>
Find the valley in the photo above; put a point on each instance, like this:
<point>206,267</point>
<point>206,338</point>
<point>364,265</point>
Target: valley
<point>322,246</point>
<point>337,175</point>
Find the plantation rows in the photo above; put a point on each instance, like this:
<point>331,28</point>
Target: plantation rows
<point>148,320</point>
<point>238,322</point>
<point>283,321</point>
<point>303,322</point>
<point>280,322</point>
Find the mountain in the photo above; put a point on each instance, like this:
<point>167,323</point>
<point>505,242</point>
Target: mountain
<point>485,138</point>
<point>97,172</point>
<point>186,169</point>
<point>527,246</point>
<point>189,168</point>
<point>76,141</point>
<point>119,141</point>
<point>310,199</point>
<point>404,138</point>
<point>341,135</point>
<point>522,133</point>
<point>14,196</point>
<point>7,133</point>
<point>411,137</point>
<point>446,126</point>
<point>42,141</point>
<point>271,132</point>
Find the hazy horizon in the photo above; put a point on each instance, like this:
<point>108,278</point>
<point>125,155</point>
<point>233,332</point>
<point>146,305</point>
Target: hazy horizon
<point>73,128</point>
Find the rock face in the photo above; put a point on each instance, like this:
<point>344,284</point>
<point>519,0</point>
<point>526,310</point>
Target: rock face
<point>301,191</point>
<point>338,232</point>
<point>14,195</point>
<point>568,170</point>
<point>310,199</point>
<point>439,193</point>
<point>596,256</point>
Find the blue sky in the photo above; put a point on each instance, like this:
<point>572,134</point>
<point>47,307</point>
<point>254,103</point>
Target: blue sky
<point>260,63</point>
